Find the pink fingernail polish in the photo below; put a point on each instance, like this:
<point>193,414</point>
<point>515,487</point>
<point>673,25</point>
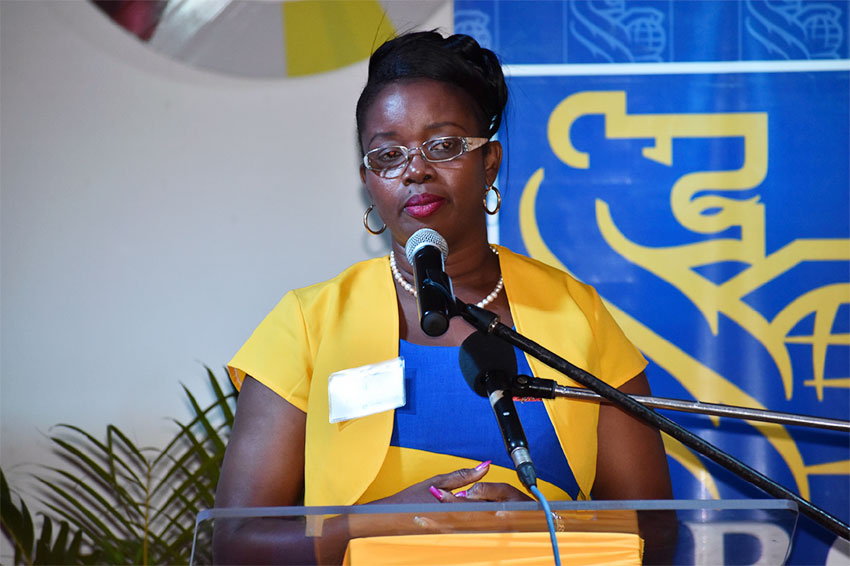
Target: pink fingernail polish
<point>461,494</point>
<point>483,466</point>
<point>436,493</point>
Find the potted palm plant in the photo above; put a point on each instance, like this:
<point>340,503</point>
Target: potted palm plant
<point>113,502</point>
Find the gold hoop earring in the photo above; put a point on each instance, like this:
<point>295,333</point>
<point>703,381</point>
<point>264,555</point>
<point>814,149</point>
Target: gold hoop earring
<point>366,222</point>
<point>498,200</point>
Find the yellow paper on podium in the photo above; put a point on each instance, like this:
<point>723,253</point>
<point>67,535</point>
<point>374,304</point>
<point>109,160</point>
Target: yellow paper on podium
<point>503,549</point>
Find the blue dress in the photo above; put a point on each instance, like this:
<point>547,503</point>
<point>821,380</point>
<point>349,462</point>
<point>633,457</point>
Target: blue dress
<point>443,415</point>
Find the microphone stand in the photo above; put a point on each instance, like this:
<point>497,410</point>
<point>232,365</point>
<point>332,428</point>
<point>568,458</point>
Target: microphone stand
<point>488,322</point>
<point>527,386</point>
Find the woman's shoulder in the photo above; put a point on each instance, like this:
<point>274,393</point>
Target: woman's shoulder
<point>534,272</point>
<point>360,278</point>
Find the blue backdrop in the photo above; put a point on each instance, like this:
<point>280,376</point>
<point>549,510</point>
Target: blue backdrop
<point>690,160</point>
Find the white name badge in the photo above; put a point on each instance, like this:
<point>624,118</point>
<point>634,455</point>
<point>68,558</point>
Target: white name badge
<point>358,392</point>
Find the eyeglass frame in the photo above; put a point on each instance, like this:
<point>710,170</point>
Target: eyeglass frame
<point>470,143</point>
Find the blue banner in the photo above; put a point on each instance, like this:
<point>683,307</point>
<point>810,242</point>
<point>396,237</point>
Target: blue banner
<point>690,161</point>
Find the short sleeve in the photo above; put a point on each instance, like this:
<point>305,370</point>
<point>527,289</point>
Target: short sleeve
<point>278,354</point>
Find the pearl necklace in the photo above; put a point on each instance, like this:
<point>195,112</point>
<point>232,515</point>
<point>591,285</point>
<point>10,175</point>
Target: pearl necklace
<point>409,288</point>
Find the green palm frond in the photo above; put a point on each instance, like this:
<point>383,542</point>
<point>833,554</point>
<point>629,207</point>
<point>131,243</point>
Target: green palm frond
<point>17,524</point>
<point>123,503</point>
<point>19,528</point>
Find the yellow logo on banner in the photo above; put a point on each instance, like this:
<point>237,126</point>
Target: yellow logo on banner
<point>698,207</point>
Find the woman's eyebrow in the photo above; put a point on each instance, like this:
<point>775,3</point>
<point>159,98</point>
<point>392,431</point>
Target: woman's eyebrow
<point>438,125</point>
<point>434,126</point>
<point>382,135</point>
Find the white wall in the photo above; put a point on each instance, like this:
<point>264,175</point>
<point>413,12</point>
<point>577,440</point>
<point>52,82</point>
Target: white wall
<point>151,215</point>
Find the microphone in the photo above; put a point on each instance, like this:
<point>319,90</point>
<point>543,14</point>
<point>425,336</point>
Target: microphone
<point>426,250</point>
<point>488,365</point>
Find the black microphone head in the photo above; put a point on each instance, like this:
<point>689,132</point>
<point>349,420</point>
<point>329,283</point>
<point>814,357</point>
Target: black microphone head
<point>425,237</point>
<point>484,356</point>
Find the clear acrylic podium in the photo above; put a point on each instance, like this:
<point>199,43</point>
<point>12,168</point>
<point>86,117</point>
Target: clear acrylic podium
<point>707,532</point>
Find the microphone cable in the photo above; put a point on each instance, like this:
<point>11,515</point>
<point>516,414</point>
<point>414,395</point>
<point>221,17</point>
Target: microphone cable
<point>550,521</point>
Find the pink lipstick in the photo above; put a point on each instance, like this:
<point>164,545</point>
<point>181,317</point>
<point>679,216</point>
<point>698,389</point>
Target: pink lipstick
<point>422,205</point>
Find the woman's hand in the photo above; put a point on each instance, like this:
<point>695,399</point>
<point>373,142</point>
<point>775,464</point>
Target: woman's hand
<point>486,491</point>
<point>441,487</point>
<point>426,491</point>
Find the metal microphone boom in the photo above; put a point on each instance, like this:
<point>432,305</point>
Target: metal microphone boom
<point>488,322</point>
<point>527,386</point>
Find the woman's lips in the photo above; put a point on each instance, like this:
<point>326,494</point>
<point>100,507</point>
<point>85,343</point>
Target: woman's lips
<point>420,206</point>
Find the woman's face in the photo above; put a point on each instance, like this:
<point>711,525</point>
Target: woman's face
<point>446,197</point>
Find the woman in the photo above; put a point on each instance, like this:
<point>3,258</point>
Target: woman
<point>425,121</point>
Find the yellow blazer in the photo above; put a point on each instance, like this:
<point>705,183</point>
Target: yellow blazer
<point>352,320</point>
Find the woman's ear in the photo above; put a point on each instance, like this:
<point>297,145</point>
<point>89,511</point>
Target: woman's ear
<point>363,173</point>
<point>492,159</point>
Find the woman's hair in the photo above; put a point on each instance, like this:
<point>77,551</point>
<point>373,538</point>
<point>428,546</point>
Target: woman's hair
<point>457,60</point>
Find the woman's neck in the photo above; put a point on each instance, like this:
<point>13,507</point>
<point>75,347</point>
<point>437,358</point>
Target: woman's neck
<point>475,274</point>
<point>468,264</point>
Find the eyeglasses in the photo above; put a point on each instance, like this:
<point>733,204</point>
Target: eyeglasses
<point>390,161</point>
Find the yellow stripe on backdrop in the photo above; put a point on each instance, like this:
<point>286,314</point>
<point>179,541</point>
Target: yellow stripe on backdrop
<point>321,36</point>
<point>699,380</point>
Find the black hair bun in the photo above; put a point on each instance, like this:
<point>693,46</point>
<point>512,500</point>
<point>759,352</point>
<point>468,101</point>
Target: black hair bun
<point>457,60</point>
